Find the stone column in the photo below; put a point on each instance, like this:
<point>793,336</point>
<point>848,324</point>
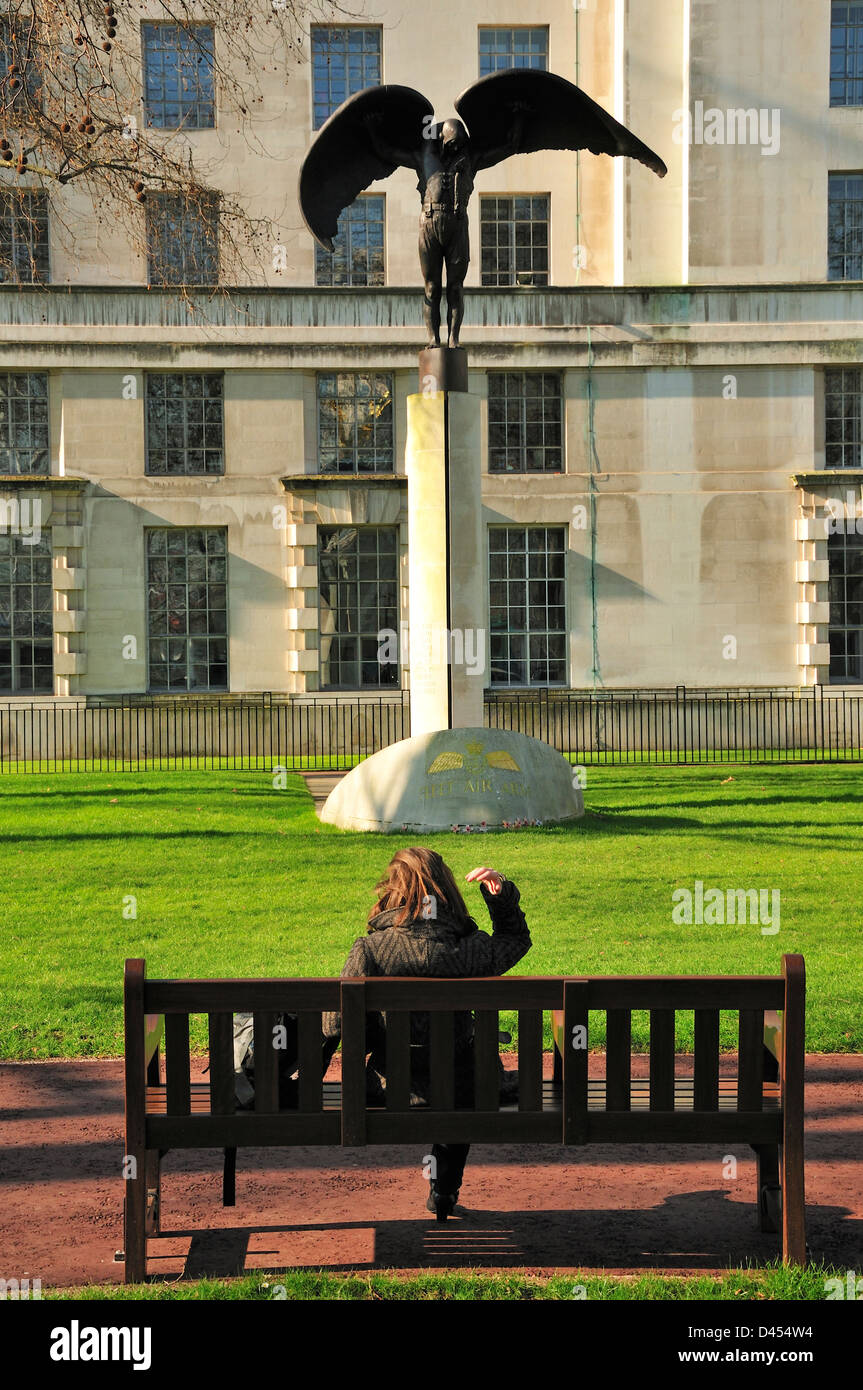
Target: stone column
<point>448,641</point>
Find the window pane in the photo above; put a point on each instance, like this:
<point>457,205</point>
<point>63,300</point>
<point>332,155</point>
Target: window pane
<point>178,75</point>
<point>527,616</point>
<point>359,642</point>
<point>355,423</point>
<point>182,238</point>
<point>845,556</point>
<point>358,258</point>
<point>846,54</point>
<point>843,411</point>
<point>26,610</point>
<point>845,227</point>
<point>184,603</point>
<point>344,61</point>
<point>501,48</point>
<point>23,237</point>
<point>514,240</point>
<point>178,442</point>
<point>529,406</point>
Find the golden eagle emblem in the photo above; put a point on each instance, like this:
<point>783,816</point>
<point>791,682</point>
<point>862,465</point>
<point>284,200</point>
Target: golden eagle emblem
<point>472,761</point>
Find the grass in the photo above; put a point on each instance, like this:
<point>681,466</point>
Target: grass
<point>216,873</point>
<point>770,1283</point>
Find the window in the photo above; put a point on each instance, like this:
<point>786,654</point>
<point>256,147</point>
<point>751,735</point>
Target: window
<point>359,255</point>
<point>344,61</point>
<point>514,239</point>
<point>26,622</point>
<point>525,422</point>
<point>184,422</point>
<point>178,76</point>
<point>182,239</point>
<point>24,237</point>
<point>512,48</point>
<point>843,410</point>
<point>355,422</point>
<point>527,607</point>
<point>845,228</point>
<point>187,602</point>
<point>845,554</point>
<point>358,579</point>
<point>21,89</point>
<point>24,422</point>
<point>846,54</point>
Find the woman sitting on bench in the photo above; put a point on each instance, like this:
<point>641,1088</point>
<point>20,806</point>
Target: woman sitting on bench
<point>420,925</point>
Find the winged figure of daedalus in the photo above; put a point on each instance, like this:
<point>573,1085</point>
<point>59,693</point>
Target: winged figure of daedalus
<point>380,129</point>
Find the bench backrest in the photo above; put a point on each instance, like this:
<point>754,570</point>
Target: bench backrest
<point>721,1108</point>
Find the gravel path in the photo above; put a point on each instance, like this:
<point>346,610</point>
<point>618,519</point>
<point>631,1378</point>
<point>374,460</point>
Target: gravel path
<point>536,1209</point>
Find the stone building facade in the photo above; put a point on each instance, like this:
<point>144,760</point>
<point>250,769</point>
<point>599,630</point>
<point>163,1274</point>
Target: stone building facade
<point>207,492</point>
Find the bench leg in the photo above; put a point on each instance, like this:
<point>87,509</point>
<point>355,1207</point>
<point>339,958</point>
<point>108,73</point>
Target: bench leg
<point>229,1178</point>
<point>768,1186</point>
<point>135,1223</point>
<point>154,1191</point>
<point>793,1204</point>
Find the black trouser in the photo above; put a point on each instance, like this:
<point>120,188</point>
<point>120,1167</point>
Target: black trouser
<point>450,1160</point>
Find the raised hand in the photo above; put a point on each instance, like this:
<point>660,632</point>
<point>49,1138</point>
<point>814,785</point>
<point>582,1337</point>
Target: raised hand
<point>492,879</point>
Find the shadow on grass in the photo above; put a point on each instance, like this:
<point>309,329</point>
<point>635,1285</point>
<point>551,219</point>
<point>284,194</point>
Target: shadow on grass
<point>59,794</point>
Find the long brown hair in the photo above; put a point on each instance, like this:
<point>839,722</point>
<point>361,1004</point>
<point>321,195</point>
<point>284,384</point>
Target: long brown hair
<point>411,875</point>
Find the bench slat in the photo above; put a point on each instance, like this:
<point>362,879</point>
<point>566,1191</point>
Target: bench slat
<point>618,1058</point>
<point>575,1017</point>
<point>530,1059</point>
<point>750,1058</point>
<point>551,1099</point>
<point>442,1060</point>
<point>353,1011</point>
<point>398,1063</point>
<point>177,1072</point>
<point>266,1064</point>
<point>464,1127</point>
<point>310,1058</point>
<point>240,996</point>
<point>478,992</point>
<point>706,1059</point>
<point>221,1029</point>
<point>486,1063</point>
<point>662,1059</point>
<point>686,992</point>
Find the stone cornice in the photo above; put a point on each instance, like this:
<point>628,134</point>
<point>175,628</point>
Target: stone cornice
<point>26,482</point>
<point>818,477</point>
<point>310,482</point>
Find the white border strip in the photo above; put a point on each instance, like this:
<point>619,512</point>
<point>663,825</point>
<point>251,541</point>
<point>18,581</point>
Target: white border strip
<point>619,164</point>
<point>685,148</point>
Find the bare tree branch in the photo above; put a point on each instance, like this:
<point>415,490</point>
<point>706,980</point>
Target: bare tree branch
<point>73,136</point>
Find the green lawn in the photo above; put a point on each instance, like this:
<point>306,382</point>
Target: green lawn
<point>735,1286</point>
<point>232,877</point>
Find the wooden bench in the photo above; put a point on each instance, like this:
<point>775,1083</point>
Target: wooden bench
<point>570,1108</point>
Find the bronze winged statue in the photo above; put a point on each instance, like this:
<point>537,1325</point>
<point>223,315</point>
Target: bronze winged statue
<point>380,129</point>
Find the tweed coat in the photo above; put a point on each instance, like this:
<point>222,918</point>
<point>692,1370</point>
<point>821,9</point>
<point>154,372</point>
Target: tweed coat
<point>434,946</point>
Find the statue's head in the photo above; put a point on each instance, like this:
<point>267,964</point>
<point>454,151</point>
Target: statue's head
<point>453,136</point>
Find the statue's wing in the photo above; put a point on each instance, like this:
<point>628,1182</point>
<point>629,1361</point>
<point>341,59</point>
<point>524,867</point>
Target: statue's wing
<point>344,158</point>
<point>556,115</point>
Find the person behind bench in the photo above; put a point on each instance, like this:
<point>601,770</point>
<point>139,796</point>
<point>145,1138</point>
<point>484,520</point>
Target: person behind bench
<point>420,925</point>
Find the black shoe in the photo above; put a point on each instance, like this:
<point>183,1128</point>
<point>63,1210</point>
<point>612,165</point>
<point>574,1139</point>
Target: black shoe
<point>441,1203</point>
